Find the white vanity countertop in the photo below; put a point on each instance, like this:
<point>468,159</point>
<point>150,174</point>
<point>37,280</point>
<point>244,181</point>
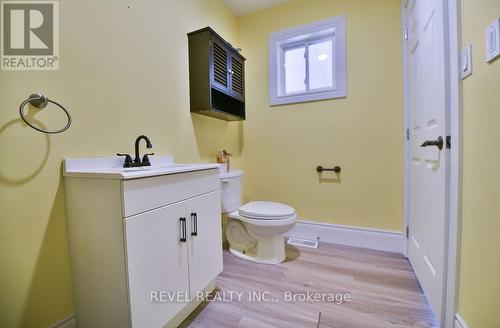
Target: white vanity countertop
<point>112,167</point>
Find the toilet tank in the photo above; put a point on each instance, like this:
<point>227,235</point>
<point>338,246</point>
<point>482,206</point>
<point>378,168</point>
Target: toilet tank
<point>231,185</point>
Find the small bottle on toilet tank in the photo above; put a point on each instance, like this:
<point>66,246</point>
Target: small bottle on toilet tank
<point>223,159</point>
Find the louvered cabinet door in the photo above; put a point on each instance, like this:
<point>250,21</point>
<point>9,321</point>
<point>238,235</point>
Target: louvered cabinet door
<point>237,78</point>
<point>219,73</point>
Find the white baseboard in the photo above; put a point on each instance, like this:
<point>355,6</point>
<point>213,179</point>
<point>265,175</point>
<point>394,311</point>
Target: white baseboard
<point>69,322</point>
<point>460,322</point>
<point>383,240</point>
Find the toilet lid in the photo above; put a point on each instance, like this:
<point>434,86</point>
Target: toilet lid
<point>266,211</point>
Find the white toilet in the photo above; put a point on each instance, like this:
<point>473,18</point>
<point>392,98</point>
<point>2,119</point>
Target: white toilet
<point>255,231</point>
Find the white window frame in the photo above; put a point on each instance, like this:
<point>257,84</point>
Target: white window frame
<point>329,29</point>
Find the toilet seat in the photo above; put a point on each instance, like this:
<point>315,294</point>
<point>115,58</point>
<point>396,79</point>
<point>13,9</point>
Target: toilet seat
<point>264,223</point>
<point>260,210</point>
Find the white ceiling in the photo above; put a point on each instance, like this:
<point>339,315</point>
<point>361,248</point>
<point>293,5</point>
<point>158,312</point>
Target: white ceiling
<point>243,7</point>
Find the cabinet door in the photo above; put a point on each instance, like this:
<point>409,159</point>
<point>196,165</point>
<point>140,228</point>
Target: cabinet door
<point>157,261</point>
<point>219,64</point>
<point>205,240</point>
<point>237,77</point>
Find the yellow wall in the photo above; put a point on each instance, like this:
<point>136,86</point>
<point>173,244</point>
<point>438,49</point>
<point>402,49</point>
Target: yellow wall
<point>363,132</point>
<point>123,72</point>
<point>480,265</point>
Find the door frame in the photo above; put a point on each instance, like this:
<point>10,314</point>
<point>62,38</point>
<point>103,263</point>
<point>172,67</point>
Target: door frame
<point>452,35</point>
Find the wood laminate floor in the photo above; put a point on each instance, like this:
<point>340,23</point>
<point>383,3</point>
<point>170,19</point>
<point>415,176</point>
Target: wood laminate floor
<point>383,289</point>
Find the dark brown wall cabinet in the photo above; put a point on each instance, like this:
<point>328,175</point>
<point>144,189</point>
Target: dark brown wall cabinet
<point>216,76</point>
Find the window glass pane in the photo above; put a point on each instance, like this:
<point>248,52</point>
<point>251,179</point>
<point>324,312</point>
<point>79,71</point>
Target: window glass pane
<point>320,65</point>
<point>295,70</point>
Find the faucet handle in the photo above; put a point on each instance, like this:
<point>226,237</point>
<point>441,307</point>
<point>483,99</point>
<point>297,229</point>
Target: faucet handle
<point>128,160</point>
<point>145,158</point>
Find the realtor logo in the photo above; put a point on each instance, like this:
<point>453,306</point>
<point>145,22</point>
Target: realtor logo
<point>30,38</point>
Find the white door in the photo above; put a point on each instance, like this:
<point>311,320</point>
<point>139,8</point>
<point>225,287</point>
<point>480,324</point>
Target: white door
<point>157,262</point>
<point>427,148</point>
<point>205,240</point>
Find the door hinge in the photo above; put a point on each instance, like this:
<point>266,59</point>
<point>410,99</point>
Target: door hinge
<point>448,142</point>
<point>407,134</point>
<point>405,34</point>
<point>407,232</point>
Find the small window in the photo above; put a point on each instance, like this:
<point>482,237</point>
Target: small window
<point>307,63</point>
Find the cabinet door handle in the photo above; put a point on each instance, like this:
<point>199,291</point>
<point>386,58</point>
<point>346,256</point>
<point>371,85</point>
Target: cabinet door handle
<point>194,217</point>
<point>183,229</point>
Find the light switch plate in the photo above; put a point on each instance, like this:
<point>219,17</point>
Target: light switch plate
<point>466,61</point>
<point>493,40</point>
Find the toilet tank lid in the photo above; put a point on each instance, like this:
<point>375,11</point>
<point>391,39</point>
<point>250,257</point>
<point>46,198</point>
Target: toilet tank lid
<point>266,210</point>
<point>231,174</point>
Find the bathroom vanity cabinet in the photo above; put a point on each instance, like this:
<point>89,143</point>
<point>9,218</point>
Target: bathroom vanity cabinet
<point>136,242</point>
<point>216,76</point>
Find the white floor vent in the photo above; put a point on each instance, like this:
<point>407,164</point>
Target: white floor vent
<point>303,242</point>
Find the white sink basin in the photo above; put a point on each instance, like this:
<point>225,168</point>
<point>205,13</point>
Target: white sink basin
<point>148,168</point>
<point>112,167</point>
<point>134,169</point>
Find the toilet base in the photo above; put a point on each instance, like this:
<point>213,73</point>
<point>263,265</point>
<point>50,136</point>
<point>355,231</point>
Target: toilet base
<point>270,250</point>
<point>247,257</point>
<point>258,240</point>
